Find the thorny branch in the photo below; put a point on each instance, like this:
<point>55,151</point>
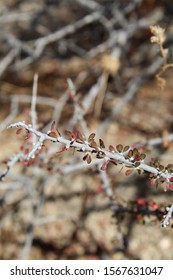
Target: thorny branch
<point>86,147</point>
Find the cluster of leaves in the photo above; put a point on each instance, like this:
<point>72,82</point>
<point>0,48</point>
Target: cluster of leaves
<point>136,158</point>
<point>157,179</point>
<point>133,155</point>
<point>97,149</point>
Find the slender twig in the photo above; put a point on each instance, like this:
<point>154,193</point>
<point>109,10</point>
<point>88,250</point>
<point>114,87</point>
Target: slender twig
<point>101,95</point>
<point>168,216</point>
<point>7,60</point>
<point>10,163</point>
<point>34,101</point>
<point>34,213</point>
<point>13,113</point>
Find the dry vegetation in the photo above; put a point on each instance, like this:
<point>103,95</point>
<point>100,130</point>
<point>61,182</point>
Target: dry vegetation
<point>58,208</point>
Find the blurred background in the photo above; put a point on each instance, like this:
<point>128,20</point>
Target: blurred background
<point>58,208</point>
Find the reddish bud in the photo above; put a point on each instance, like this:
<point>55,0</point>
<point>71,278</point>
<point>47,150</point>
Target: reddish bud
<point>140,201</point>
<point>153,205</point>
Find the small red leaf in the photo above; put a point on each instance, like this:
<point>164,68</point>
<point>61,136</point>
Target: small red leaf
<point>69,134</point>
<point>135,152</point>
<point>119,148</point>
<point>88,159</point>
<point>85,157</point>
<point>102,145</point>
<point>129,172</point>
<point>52,134</point>
<point>26,151</point>
<point>21,148</point>
<point>91,137</point>
<point>130,153</point>
<point>19,130</point>
<point>81,137</point>
<point>73,135</point>
<point>93,144</point>
<point>111,149</point>
<point>142,156</point>
<point>126,148</point>
<point>28,135</point>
